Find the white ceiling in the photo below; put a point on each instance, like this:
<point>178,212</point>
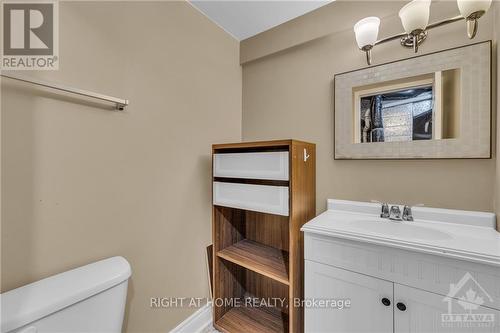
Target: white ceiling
<point>244,19</point>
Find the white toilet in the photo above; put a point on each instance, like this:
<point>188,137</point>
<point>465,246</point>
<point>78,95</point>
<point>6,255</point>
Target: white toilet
<point>90,298</point>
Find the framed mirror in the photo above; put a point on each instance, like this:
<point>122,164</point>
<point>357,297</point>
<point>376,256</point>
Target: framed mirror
<point>431,106</point>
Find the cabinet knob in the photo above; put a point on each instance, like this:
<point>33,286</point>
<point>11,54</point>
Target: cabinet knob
<point>386,301</point>
<point>401,306</point>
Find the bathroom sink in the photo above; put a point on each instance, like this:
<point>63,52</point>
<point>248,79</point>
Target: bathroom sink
<point>399,229</point>
<point>455,234</point>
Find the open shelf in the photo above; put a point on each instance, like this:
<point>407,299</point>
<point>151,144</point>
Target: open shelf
<point>253,320</point>
<point>262,259</point>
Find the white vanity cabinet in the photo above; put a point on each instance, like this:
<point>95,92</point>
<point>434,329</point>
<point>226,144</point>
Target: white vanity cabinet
<point>366,312</point>
<point>424,312</point>
<point>376,305</point>
<point>403,284</point>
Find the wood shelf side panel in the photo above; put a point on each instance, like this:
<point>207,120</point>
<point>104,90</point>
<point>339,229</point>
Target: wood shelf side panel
<point>229,227</point>
<point>303,209</point>
<point>231,284</point>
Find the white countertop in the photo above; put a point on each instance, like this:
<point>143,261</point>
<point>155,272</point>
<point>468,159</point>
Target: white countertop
<point>452,233</point>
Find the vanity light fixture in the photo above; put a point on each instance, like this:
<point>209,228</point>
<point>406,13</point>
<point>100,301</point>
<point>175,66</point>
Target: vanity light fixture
<point>366,35</point>
<point>472,11</point>
<point>415,19</point>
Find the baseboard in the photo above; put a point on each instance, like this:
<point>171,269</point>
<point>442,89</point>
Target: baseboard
<point>198,322</point>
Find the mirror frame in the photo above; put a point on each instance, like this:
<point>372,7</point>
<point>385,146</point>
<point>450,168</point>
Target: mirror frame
<point>474,141</point>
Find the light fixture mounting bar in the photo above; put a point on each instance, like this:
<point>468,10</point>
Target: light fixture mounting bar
<point>390,38</point>
<point>430,26</point>
<point>445,22</point>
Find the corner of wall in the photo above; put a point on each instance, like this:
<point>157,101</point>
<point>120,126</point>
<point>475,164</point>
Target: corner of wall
<point>496,105</point>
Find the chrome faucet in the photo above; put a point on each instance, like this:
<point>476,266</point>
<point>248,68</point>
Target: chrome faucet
<point>394,213</point>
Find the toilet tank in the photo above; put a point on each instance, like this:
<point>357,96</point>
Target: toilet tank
<point>90,298</point>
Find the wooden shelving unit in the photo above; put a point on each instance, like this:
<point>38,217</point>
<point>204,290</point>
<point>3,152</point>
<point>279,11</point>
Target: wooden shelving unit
<point>258,247</point>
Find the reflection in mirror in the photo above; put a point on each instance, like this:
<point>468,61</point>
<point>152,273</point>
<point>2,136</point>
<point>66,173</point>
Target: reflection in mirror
<point>424,107</point>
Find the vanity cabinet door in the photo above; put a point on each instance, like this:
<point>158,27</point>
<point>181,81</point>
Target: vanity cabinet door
<point>422,312</point>
<point>367,295</point>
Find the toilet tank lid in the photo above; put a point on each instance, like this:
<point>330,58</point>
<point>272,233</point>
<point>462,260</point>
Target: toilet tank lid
<point>31,302</point>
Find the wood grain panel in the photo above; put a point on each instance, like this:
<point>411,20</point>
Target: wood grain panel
<point>267,229</point>
<point>265,260</point>
<point>252,320</point>
<point>231,284</point>
<point>302,209</point>
<point>263,287</point>
<point>229,227</point>
<point>229,279</point>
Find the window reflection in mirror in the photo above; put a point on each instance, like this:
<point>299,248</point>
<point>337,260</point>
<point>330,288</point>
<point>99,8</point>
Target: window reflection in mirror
<point>425,107</point>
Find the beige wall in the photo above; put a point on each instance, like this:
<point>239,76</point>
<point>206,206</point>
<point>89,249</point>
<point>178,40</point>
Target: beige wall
<point>287,92</point>
<point>81,183</point>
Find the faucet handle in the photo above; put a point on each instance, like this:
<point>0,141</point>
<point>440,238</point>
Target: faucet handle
<point>407,213</point>
<point>384,213</point>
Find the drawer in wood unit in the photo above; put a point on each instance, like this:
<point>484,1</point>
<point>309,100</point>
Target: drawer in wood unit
<point>259,198</point>
<point>265,165</point>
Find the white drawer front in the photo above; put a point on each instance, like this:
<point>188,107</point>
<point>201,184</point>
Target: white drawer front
<point>260,198</point>
<point>270,165</point>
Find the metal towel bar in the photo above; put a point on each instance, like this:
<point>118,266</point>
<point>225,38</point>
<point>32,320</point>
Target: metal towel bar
<point>120,103</point>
